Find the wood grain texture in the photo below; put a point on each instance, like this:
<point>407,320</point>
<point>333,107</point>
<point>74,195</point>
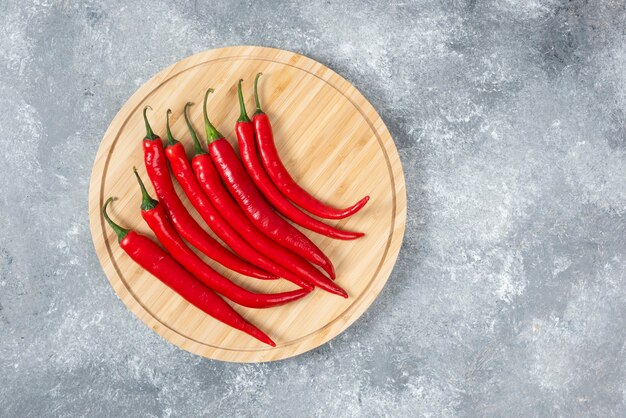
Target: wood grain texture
<point>331,140</point>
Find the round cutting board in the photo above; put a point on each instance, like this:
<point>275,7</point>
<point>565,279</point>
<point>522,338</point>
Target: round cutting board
<point>333,143</point>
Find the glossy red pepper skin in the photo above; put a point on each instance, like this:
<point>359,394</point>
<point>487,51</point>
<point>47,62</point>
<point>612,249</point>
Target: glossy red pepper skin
<point>258,210</point>
<point>162,266</point>
<point>184,175</point>
<point>152,212</point>
<point>283,180</point>
<point>254,167</point>
<point>281,177</point>
<point>156,166</point>
<point>211,182</point>
<point>173,243</point>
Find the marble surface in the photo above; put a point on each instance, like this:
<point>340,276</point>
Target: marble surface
<point>509,295</point>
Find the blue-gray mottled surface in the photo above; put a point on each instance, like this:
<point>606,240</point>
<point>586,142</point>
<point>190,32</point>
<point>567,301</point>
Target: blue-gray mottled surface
<point>509,295</point>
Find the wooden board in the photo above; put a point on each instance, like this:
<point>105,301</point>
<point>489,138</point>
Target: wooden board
<point>331,140</point>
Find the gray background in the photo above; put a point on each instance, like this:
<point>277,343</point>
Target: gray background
<point>509,294</point>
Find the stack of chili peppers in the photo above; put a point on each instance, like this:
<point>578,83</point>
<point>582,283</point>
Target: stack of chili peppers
<point>240,200</point>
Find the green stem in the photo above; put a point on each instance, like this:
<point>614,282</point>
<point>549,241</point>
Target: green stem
<point>243,115</point>
<point>212,134</point>
<point>121,232</point>
<point>147,202</point>
<point>192,132</point>
<point>170,138</point>
<point>256,95</point>
<point>149,134</point>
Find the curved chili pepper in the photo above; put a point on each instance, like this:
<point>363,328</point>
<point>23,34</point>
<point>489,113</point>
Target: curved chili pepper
<point>162,266</point>
<point>211,183</point>
<point>252,164</point>
<point>259,212</point>
<point>156,166</point>
<point>243,219</point>
<point>281,177</point>
<point>183,172</point>
<point>154,215</point>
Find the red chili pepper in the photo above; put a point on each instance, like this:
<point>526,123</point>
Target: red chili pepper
<point>281,177</point>
<point>161,265</point>
<point>212,184</point>
<point>288,264</point>
<point>156,166</point>
<point>254,167</point>
<point>259,212</point>
<point>252,206</point>
<point>154,215</point>
<point>183,172</point>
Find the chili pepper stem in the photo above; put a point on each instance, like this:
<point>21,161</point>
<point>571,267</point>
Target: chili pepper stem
<point>258,110</point>
<point>196,143</point>
<point>212,134</point>
<point>147,202</point>
<point>243,115</point>
<point>119,231</point>
<point>149,134</point>
<point>170,138</point>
